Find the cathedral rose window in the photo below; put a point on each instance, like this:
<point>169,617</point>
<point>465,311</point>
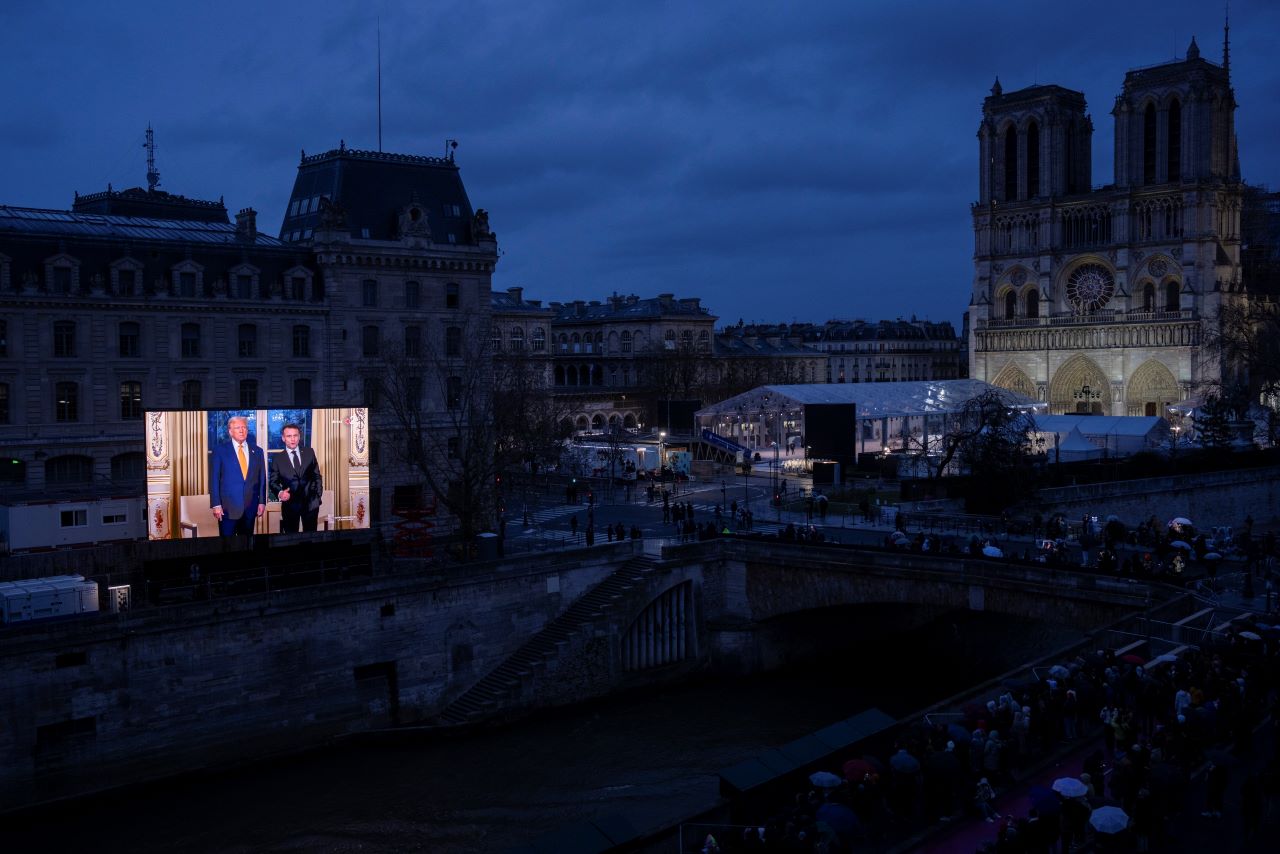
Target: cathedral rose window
<point>1090,287</point>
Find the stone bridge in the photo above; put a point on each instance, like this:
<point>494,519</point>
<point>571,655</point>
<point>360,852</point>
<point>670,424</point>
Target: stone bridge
<point>163,690</point>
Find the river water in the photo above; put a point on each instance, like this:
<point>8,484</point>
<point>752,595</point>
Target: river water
<point>651,757</point>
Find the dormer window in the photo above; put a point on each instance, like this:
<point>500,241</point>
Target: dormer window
<point>63,273</point>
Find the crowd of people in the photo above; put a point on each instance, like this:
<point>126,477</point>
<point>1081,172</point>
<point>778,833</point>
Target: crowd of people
<point>1145,729</point>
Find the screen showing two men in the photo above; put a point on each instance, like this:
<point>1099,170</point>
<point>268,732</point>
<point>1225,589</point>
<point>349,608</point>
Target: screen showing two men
<point>241,472</point>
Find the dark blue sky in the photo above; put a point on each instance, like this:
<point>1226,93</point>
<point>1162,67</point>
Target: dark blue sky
<point>796,160</point>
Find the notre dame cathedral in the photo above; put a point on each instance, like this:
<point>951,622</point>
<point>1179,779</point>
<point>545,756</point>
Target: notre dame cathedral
<point>1099,300</point>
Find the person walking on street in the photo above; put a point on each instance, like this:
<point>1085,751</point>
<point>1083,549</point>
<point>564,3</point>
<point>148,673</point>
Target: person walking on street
<point>1215,790</point>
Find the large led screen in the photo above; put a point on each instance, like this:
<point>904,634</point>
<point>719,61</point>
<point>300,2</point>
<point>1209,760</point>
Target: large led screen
<point>244,472</point>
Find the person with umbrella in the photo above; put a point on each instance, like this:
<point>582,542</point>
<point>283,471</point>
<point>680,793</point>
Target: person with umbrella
<point>905,770</point>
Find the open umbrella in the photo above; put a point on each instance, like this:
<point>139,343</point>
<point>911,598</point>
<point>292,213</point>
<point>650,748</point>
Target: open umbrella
<point>1212,556</point>
<point>992,551</point>
<point>1109,819</point>
<point>1045,800</point>
<point>855,770</point>
<point>1059,672</point>
<point>839,818</point>
<point>1180,544</point>
<point>958,734</point>
<point>1251,636</point>
<point>1070,787</point>
<point>1179,521</point>
<point>899,537</point>
<point>824,779</point>
<point>904,763</point>
<point>1133,658</point>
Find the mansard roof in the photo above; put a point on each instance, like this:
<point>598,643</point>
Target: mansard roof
<point>374,187</point>
<point>622,308</point>
<point>42,222</point>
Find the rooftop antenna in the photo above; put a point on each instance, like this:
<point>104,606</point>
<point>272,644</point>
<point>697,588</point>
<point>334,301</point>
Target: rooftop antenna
<point>379,84</point>
<point>153,177</point>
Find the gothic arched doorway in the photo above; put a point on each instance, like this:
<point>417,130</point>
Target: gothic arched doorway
<point>1151,389</point>
<point>1015,379</point>
<point>1079,387</point>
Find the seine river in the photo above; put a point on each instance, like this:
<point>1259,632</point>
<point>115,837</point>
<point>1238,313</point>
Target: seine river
<point>653,758</point>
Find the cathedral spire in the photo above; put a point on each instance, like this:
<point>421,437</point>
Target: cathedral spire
<point>1193,49</point>
<point>997,89</point>
<point>1226,40</point>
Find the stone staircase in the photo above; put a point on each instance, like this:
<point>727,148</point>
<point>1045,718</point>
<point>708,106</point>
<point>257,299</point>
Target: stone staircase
<point>506,683</point>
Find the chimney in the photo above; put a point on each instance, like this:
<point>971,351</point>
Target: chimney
<point>665,300</point>
<point>517,294</point>
<point>247,225</point>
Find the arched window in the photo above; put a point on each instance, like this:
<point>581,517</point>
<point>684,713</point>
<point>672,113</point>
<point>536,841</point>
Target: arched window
<point>69,469</point>
<point>704,342</point>
<point>1033,303</point>
<point>1010,164</point>
<point>1149,297</point>
<point>629,421</point>
<point>582,422</point>
<point>626,341</point>
<point>1172,299</point>
<point>539,339</point>
<point>1149,144</point>
<point>128,468</point>
<point>669,340</point>
<point>1174,137</point>
<point>495,339</point>
<point>564,343</point>
<point>686,340</point>
<point>597,422</point>
<point>1010,305</point>
<point>1033,160</point>
<point>517,339</point>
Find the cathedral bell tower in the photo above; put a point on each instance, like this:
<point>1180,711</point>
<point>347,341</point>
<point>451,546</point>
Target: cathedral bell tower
<point>1034,143</point>
<point>1175,123</point>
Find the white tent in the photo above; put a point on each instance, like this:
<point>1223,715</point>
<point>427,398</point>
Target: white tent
<point>1114,435</point>
<point>1076,447</point>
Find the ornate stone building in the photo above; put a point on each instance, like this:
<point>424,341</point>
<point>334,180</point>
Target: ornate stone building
<point>139,299</point>
<point>1099,300</point>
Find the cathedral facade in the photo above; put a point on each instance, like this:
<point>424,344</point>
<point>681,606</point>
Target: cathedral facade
<point>1100,300</point>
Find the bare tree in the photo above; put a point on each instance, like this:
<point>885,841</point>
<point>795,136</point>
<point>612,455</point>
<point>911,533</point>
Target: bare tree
<point>1245,339</point>
<point>440,396</point>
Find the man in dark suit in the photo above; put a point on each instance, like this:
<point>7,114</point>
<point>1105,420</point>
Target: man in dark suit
<point>295,476</point>
<point>237,482</point>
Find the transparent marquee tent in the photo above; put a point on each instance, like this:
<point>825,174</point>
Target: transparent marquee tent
<point>886,414</point>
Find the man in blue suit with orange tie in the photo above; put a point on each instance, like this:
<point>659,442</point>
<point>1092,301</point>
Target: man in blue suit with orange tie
<point>237,481</point>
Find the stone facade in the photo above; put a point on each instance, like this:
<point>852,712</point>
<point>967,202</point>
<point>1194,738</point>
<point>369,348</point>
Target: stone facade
<point>1101,300</point>
<point>104,315</point>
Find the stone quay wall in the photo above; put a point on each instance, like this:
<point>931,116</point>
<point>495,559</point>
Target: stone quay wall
<point>102,701</point>
<point>1209,499</point>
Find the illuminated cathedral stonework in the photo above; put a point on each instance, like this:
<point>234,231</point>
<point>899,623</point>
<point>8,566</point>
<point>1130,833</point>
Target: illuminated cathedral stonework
<point>1099,300</point>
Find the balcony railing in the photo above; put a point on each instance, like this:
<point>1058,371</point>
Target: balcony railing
<point>1093,319</point>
